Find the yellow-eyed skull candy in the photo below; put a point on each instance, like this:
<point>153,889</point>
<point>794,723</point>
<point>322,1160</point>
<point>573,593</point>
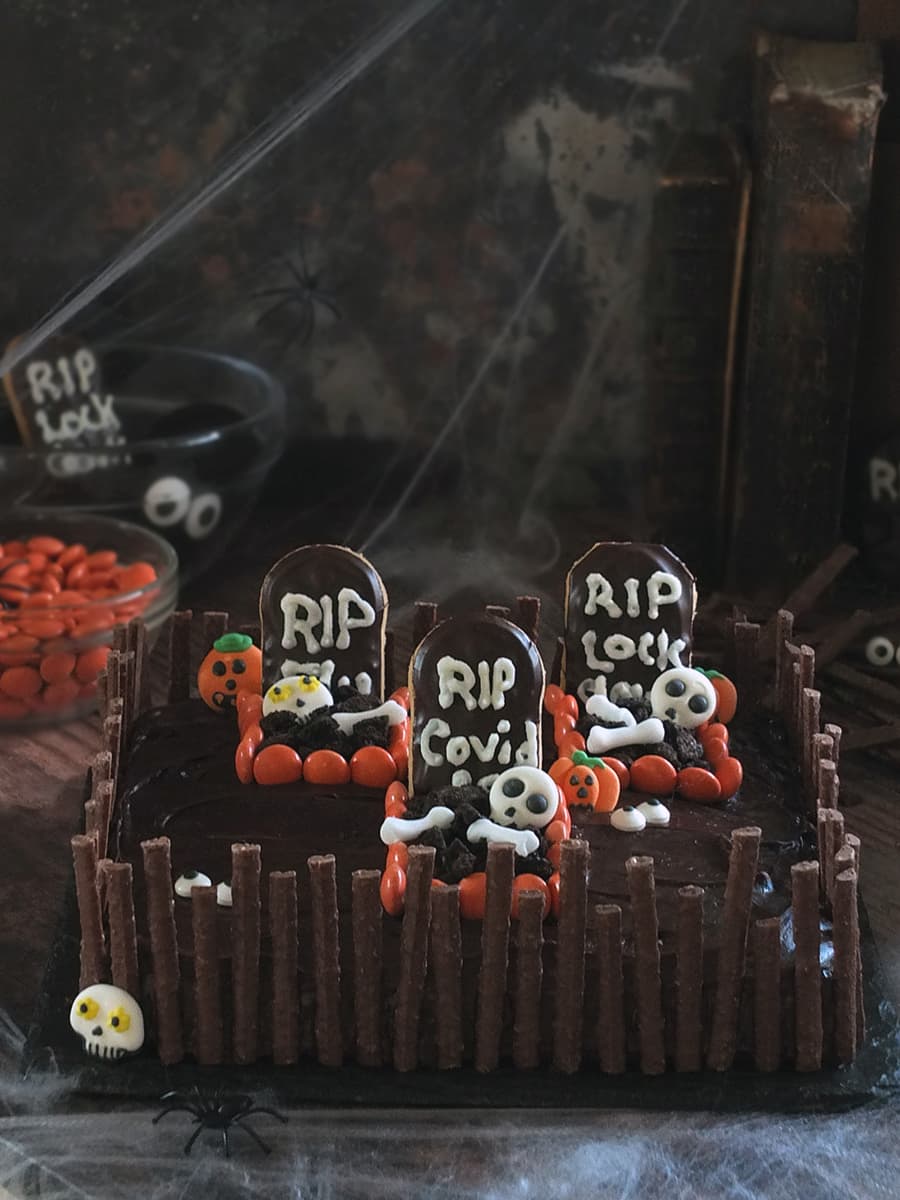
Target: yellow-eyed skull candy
<point>301,695</point>
<point>108,1020</point>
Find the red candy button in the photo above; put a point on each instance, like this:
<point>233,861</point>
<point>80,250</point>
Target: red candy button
<point>277,764</point>
<point>326,766</point>
<point>372,766</point>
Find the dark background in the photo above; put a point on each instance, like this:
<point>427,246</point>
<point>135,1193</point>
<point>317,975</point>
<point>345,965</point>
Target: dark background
<point>530,347</point>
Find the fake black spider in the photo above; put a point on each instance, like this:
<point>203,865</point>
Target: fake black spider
<point>305,293</point>
<point>216,1110</point>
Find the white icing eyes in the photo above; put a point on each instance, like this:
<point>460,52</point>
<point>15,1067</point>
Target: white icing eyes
<point>298,694</point>
<point>185,883</point>
<point>166,502</point>
<point>203,515</point>
<point>880,651</point>
<point>108,1021</point>
<point>524,796</point>
<point>169,501</point>
<point>684,696</point>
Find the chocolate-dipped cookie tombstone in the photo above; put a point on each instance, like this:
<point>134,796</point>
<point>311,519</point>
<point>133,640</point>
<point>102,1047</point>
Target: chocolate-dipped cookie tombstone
<point>635,704</point>
<point>321,717</point>
<point>476,689</point>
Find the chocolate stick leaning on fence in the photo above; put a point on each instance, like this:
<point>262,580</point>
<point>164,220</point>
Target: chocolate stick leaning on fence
<point>413,957</point>
<point>494,956</point>
<point>209,1028</point>
<point>529,978</point>
<point>447,965</point>
<point>367,966</point>
<point>648,984</point>
<point>570,943</point>
<point>732,946</point>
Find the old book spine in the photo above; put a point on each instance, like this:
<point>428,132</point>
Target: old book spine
<point>816,113</point>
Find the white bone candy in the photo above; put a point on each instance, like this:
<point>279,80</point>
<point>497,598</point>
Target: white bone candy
<point>395,713</point>
<point>399,829</point>
<point>604,709</point>
<point>223,895</point>
<point>524,840</point>
<point>647,733</point>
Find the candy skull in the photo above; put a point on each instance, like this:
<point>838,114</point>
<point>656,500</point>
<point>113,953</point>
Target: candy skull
<point>301,695</point>
<point>525,797</point>
<point>108,1020</point>
<point>684,696</point>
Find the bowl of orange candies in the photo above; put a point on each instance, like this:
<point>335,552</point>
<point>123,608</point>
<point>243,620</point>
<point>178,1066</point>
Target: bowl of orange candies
<point>67,581</point>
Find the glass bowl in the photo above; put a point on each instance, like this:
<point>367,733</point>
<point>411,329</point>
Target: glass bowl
<point>52,651</point>
<point>201,432</point>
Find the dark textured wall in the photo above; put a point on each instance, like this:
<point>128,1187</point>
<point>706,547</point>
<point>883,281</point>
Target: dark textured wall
<point>478,207</point>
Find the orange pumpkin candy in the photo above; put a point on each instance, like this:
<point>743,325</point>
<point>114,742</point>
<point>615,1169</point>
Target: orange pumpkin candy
<point>233,666</point>
<point>586,781</point>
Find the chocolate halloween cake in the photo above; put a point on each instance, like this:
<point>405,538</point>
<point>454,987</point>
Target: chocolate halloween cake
<point>634,866</point>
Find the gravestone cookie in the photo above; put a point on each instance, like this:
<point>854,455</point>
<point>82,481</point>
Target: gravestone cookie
<point>323,612</point>
<point>58,398</point>
<point>629,617</point>
<point>476,688</point>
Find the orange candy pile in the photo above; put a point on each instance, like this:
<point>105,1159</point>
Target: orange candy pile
<point>58,605</point>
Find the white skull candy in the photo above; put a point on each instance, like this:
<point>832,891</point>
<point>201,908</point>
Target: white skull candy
<point>301,695</point>
<point>684,696</point>
<point>525,797</point>
<point>109,1021</point>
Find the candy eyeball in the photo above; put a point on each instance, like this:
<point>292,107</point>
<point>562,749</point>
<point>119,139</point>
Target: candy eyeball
<point>525,797</point>
<point>108,1020</point>
<point>684,696</point>
<point>167,501</point>
<point>301,695</point>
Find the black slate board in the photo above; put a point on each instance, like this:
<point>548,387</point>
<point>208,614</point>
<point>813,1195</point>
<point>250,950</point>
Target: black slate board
<point>875,1074</point>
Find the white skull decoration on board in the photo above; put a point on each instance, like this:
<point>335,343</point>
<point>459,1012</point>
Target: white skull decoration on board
<point>683,695</point>
<point>525,797</point>
<point>108,1020</point>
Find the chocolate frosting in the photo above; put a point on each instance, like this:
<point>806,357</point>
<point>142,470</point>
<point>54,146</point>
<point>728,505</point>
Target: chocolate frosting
<point>609,565</point>
<point>317,630</point>
<point>477,686</point>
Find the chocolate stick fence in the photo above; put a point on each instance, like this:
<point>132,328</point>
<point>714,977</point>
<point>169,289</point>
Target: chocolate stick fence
<point>548,1031</point>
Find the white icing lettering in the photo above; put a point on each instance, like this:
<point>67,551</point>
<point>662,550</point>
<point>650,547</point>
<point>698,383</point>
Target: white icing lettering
<point>484,752</point>
<point>456,678</point>
<point>600,595</point>
<point>458,751</point>
<point>662,588</point>
<point>303,615</point>
<point>460,779</point>
<point>882,479</point>
<point>39,376</point>
<point>346,622</point>
<point>528,750</point>
<point>327,638</point>
<point>619,647</point>
<point>589,641</point>
<point>633,607</point>
<point>321,670</point>
<point>435,728</point>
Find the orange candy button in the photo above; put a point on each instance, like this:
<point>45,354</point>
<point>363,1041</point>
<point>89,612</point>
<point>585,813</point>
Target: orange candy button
<point>730,775</point>
<point>50,546</point>
<point>399,854</point>
<point>393,890</point>
<point>372,766</point>
<point>694,783</point>
<point>20,682</point>
<point>714,749</point>
<point>90,664</point>
<point>136,576</point>
<point>245,753</point>
<point>529,883</point>
<point>653,775</point>
<point>570,743</point>
<point>58,695</point>
<point>277,764</point>
<point>56,668</point>
<point>553,888</point>
<point>472,891</point>
<point>42,627</point>
<point>326,766</point>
